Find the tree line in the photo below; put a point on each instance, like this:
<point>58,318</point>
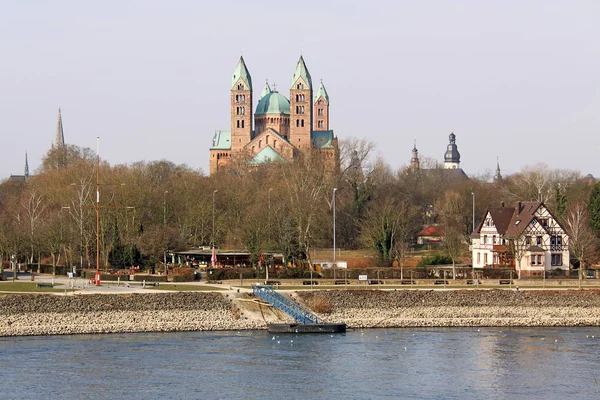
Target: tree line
<point>147,208</point>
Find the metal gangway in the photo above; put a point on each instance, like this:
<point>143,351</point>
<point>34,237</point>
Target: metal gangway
<point>284,304</point>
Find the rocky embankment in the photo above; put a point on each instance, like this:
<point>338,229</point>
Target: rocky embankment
<point>110,313</point>
<point>192,311</point>
<point>380,309</point>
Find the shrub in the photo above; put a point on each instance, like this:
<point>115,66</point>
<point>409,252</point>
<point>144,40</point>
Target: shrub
<point>435,259</point>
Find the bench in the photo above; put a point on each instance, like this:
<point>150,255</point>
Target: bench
<point>375,282</point>
<point>341,282</point>
<point>150,283</point>
<point>505,282</point>
<point>440,282</point>
<point>407,282</point>
<point>310,283</point>
<point>44,285</point>
<point>472,282</point>
<point>272,283</point>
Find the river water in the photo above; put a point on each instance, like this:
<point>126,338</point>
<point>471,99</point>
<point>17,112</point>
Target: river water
<point>440,363</point>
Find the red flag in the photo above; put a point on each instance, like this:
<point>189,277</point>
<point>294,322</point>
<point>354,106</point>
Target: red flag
<point>213,259</point>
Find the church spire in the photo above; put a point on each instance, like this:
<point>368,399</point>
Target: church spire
<point>266,90</point>
<point>26,172</point>
<point>301,72</point>
<point>497,176</point>
<point>59,141</point>
<point>414,161</point>
<point>241,71</point>
<point>322,92</point>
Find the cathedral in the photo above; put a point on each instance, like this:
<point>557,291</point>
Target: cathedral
<point>280,130</point>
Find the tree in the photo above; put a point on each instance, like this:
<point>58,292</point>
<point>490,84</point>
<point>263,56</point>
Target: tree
<point>387,226</point>
<point>582,241</point>
<point>451,217</point>
<point>594,209</point>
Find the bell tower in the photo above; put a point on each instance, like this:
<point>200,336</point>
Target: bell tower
<point>241,107</point>
<point>321,109</point>
<point>301,114</point>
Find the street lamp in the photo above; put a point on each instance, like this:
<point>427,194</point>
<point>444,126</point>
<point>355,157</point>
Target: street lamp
<point>164,229</point>
<point>473,262</point>
<point>213,218</point>
<point>334,192</point>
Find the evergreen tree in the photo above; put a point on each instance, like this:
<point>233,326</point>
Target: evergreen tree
<point>594,208</point>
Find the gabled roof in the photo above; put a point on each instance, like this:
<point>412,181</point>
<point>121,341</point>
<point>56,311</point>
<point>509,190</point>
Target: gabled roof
<point>322,139</point>
<point>241,72</point>
<point>431,230</point>
<point>501,217</point>
<point>321,92</point>
<point>524,213</point>
<point>266,155</point>
<point>301,72</point>
<point>221,140</point>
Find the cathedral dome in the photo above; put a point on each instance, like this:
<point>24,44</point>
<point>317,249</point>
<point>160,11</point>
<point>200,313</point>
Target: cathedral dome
<point>273,103</point>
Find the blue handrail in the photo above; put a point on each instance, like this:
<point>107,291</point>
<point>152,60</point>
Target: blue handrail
<point>284,304</point>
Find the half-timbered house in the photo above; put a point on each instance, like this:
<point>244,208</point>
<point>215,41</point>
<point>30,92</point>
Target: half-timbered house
<point>526,237</point>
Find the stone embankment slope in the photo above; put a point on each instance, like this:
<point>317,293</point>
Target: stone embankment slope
<point>191,311</point>
<point>379,309</point>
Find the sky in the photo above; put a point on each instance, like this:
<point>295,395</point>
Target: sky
<point>517,81</point>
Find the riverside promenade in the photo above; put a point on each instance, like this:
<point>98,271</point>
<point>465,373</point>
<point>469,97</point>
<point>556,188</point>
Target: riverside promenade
<point>111,308</point>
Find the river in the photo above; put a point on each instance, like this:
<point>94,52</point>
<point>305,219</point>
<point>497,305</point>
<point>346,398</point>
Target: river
<point>440,363</point>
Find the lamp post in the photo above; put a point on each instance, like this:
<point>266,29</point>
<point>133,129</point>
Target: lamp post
<point>213,218</point>
<point>334,192</point>
<point>473,262</point>
<point>164,229</point>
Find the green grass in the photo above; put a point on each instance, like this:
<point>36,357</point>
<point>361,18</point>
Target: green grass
<point>27,287</point>
<point>187,288</point>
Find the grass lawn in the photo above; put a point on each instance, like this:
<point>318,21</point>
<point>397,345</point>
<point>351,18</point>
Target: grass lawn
<point>187,288</point>
<point>27,287</point>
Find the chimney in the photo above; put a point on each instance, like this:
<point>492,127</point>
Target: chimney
<point>519,207</point>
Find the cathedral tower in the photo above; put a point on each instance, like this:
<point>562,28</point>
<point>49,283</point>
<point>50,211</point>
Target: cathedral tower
<point>301,118</point>
<point>321,111</point>
<point>241,107</point>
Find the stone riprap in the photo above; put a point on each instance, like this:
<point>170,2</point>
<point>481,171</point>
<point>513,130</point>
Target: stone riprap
<point>419,308</point>
<point>49,314</point>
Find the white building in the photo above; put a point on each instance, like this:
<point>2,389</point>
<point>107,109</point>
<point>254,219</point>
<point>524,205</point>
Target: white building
<point>526,237</point>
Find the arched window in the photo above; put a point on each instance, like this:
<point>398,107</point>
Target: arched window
<point>320,124</point>
<point>260,144</point>
<point>301,124</point>
<point>274,144</point>
<point>253,149</point>
<point>240,87</point>
<point>242,123</point>
<point>267,140</point>
<point>300,86</point>
<point>297,123</point>
<point>238,123</point>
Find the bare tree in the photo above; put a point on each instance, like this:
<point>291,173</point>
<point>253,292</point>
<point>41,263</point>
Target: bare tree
<point>582,240</point>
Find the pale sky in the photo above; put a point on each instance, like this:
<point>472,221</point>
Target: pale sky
<point>518,80</point>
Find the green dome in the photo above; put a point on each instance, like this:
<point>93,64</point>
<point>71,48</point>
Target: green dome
<point>273,103</point>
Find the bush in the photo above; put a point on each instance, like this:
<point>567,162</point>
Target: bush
<point>435,259</point>
<point>149,278</point>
